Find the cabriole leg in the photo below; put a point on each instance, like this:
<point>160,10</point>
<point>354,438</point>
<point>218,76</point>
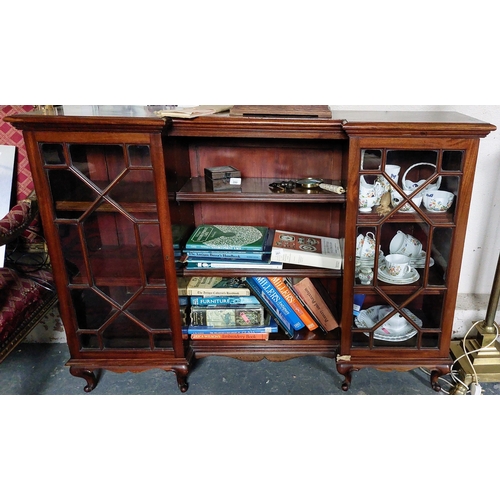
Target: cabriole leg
<point>88,375</point>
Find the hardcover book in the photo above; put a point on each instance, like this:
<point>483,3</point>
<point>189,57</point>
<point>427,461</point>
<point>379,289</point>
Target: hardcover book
<point>248,255</point>
<point>220,317</point>
<point>289,295</point>
<point>232,264</point>
<point>274,302</point>
<point>211,285</point>
<point>312,297</point>
<point>307,250</point>
<point>224,237</point>
<point>271,307</point>
<point>230,336</point>
<point>249,333</point>
<point>223,301</point>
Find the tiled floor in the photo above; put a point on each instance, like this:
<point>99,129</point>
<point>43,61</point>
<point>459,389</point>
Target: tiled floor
<point>40,369</point>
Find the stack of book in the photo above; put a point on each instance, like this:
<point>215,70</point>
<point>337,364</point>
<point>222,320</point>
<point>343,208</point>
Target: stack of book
<point>230,247</point>
<point>223,309</point>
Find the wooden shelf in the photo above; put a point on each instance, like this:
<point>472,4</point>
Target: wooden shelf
<point>256,189</point>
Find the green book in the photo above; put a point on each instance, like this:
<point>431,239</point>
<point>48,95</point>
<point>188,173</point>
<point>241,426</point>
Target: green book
<point>223,237</point>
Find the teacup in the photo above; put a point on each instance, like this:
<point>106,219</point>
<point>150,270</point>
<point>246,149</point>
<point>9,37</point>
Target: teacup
<point>393,172</point>
<point>397,265</point>
<point>438,201</point>
<point>397,198</point>
<point>367,249</point>
<point>405,244</point>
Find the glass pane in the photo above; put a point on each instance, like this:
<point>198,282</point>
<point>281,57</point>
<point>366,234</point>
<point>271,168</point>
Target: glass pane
<point>366,248</point>
<point>139,156</point>
<point>150,246</point>
<point>371,159</point>
<point>92,310</point>
<point>52,154</point>
<point>136,186</point>
<point>151,309</point>
<point>123,333</point>
<point>112,248</point>
<point>73,251</point>
<point>453,160</point>
<point>70,193</point>
<point>100,164</point>
<point>441,246</point>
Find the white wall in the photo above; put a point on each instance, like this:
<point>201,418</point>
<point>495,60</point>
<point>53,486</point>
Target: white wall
<point>482,245</point>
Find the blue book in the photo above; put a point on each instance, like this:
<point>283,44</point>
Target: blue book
<point>223,301</point>
<point>251,255</point>
<point>276,304</point>
<point>270,327</point>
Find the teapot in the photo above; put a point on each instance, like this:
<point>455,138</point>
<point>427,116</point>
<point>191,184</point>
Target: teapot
<point>369,194</point>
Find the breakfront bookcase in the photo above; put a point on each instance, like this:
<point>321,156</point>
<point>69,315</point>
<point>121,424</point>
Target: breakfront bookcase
<point>116,182</point>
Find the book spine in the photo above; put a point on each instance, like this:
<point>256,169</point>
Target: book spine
<point>270,306</point>
<point>270,290</point>
<point>244,315</point>
<point>220,255</point>
<point>288,256</point>
<point>217,291</point>
<point>289,282</point>
<point>287,293</point>
<point>223,301</point>
<point>311,296</point>
<point>230,336</point>
<point>272,327</point>
<point>232,265</point>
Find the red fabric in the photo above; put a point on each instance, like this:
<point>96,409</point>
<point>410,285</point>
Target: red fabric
<point>15,218</point>
<point>13,137</point>
<point>18,295</point>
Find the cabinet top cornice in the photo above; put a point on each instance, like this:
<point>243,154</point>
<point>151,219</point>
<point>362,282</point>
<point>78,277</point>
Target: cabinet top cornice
<point>340,126</point>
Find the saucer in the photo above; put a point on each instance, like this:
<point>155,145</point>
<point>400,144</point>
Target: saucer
<point>408,278</point>
<point>420,260</point>
<point>369,317</point>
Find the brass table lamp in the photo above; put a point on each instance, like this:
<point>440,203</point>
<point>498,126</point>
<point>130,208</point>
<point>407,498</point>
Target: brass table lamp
<point>478,359</point>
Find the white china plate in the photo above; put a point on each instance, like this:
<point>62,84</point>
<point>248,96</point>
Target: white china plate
<point>370,318</point>
<point>408,278</point>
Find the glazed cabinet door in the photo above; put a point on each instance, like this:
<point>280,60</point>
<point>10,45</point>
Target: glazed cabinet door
<point>107,219</point>
<point>410,201</point>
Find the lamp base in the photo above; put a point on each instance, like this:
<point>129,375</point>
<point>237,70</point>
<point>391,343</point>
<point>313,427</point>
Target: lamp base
<point>481,359</point>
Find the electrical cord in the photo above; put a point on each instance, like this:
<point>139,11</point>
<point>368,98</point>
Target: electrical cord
<point>453,373</point>
<point>466,354</point>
